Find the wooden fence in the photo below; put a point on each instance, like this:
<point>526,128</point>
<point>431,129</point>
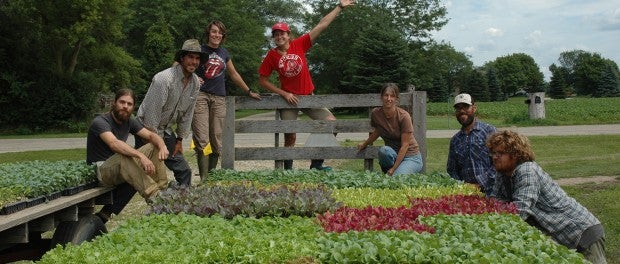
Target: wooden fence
<point>414,102</point>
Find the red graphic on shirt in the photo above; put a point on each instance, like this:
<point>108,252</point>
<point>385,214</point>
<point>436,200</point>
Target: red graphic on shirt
<point>290,65</point>
<point>214,67</point>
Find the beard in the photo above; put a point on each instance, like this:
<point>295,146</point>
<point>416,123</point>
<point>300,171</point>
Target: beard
<point>466,122</point>
<point>121,115</point>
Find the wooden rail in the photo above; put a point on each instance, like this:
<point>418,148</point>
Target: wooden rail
<point>414,102</point>
<point>15,227</point>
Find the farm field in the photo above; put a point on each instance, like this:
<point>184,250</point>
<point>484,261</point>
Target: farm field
<point>561,156</point>
<point>307,216</point>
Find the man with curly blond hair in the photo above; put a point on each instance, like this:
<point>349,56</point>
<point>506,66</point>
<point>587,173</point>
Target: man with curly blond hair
<point>540,201</point>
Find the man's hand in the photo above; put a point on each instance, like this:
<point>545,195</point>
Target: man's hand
<point>178,148</point>
<point>163,154</point>
<point>147,165</point>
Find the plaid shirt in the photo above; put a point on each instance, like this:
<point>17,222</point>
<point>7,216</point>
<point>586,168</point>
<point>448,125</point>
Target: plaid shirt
<point>168,102</point>
<point>540,199</point>
<point>468,159</point>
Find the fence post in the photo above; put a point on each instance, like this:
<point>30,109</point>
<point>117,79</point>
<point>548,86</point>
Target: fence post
<point>418,115</point>
<point>228,137</point>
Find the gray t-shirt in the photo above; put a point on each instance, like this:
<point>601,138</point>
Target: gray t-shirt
<point>96,148</point>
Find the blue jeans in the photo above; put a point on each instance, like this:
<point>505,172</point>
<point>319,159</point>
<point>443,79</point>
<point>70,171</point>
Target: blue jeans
<point>177,163</point>
<point>409,165</point>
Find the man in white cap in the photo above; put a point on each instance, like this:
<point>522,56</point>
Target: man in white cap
<point>170,101</point>
<point>468,158</point>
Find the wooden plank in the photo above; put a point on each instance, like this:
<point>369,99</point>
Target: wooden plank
<point>302,126</point>
<point>283,153</point>
<point>32,213</point>
<point>418,116</point>
<point>413,101</point>
<point>274,101</point>
<point>228,135</point>
<point>18,234</point>
<point>43,224</point>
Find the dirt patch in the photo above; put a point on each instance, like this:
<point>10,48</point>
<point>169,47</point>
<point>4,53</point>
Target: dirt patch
<point>593,179</point>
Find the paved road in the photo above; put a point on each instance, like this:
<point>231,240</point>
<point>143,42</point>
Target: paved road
<point>18,145</point>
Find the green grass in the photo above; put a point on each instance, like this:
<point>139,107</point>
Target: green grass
<point>601,200</point>
<point>560,156</point>
<point>51,155</point>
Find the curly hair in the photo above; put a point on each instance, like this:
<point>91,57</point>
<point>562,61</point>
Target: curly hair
<point>513,143</point>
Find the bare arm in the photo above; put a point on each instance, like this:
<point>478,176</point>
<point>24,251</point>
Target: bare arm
<point>238,80</point>
<point>371,138</point>
<point>157,141</point>
<point>289,97</point>
<point>405,138</point>
<point>327,19</point>
<point>121,147</point>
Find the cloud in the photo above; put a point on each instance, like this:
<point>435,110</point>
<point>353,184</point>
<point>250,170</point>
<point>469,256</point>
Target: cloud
<point>610,20</point>
<point>534,39</point>
<point>494,32</point>
<point>487,29</point>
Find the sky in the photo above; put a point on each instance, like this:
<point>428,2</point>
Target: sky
<point>487,29</point>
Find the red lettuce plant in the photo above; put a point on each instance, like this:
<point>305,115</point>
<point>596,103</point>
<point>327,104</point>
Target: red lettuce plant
<point>406,218</point>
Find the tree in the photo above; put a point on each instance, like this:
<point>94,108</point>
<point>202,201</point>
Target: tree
<point>584,69</point>
<point>518,71</point>
<point>158,50</point>
<point>413,19</point>
<point>607,85</point>
<point>557,85</point>
<point>61,54</point>
<point>495,91</point>
<point>477,86</point>
<point>378,55</point>
<point>439,91</point>
<point>168,23</point>
<point>439,60</point>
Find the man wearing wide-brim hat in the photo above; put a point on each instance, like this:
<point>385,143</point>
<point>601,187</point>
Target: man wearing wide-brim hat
<point>170,101</point>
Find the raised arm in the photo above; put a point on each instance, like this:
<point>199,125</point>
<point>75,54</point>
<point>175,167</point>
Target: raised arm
<point>327,19</point>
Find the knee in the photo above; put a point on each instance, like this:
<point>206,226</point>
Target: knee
<point>384,151</point>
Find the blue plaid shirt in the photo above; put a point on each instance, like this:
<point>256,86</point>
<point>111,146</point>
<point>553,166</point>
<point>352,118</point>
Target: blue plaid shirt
<point>547,206</point>
<point>468,159</point>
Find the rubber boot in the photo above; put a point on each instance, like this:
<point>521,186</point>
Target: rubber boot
<point>318,165</point>
<point>213,158</point>
<point>203,165</point>
<point>288,164</point>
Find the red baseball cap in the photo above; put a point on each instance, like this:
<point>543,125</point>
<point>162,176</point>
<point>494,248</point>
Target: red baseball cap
<point>280,26</point>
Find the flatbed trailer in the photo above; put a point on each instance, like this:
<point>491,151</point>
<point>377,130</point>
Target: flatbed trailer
<point>70,217</point>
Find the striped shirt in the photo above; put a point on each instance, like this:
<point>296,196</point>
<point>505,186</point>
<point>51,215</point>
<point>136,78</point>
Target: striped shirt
<point>168,102</point>
<point>541,201</point>
<point>468,158</point>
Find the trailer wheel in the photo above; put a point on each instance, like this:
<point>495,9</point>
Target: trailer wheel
<point>76,232</point>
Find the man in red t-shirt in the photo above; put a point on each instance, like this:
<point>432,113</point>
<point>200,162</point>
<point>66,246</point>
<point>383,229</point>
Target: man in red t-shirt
<point>288,58</point>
